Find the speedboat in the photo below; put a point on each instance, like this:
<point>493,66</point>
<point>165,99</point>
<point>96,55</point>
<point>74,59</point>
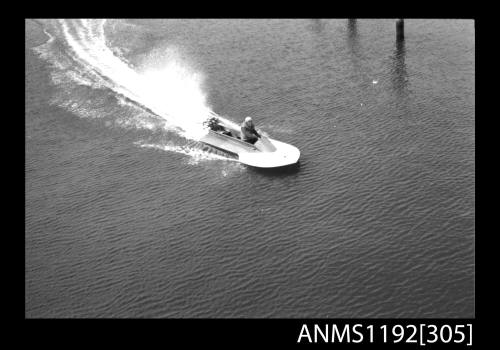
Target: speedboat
<point>264,153</point>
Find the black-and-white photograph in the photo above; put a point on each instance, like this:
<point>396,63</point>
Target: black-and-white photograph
<point>250,168</point>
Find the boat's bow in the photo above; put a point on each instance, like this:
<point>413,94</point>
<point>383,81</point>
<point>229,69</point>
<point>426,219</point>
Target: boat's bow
<point>282,155</point>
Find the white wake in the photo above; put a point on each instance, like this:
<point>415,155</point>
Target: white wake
<point>167,88</point>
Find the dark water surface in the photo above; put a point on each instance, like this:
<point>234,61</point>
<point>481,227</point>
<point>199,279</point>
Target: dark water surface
<point>377,221</point>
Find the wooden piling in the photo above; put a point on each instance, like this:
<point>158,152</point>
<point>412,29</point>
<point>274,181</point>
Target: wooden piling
<point>400,29</point>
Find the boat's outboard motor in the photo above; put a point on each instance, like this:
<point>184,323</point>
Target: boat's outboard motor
<point>213,124</point>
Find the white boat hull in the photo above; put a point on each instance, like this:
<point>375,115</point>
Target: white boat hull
<point>265,153</point>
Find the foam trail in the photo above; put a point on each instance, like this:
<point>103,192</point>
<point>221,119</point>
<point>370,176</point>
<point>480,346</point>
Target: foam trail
<point>170,89</point>
<point>196,154</point>
<point>160,92</point>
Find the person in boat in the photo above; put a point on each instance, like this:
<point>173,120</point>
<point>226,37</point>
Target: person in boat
<point>248,132</point>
